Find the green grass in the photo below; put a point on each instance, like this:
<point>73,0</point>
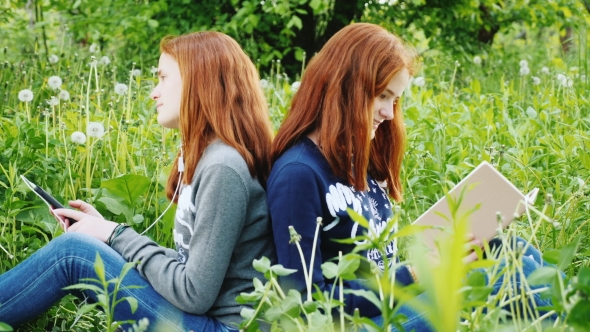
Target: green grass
<point>536,135</point>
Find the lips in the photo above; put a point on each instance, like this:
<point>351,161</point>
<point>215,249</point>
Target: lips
<point>376,124</point>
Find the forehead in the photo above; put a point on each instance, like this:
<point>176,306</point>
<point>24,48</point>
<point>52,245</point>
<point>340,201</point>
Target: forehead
<point>398,82</point>
<point>167,62</point>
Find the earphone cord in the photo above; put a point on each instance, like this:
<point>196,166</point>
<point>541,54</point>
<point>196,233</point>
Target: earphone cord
<point>180,171</point>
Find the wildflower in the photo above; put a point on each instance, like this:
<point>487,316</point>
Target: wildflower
<point>477,60</point>
<point>567,83</point>
<point>64,95</point>
<point>95,129</point>
<point>295,86</point>
<point>457,63</point>
<point>418,81</point>
<point>136,72</point>
<point>536,80</point>
<point>154,70</point>
<point>523,63</point>
<point>25,95</point>
<point>93,63</point>
<point>93,48</point>
<point>78,137</point>
<point>54,82</point>
<point>295,237</point>
<point>561,77</point>
<point>263,83</point>
<point>53,58</point>
<point>121,89</point>
<point>53,101</point>
<point>104,60</point>
<point>545,70</point>
<point>524,71</point>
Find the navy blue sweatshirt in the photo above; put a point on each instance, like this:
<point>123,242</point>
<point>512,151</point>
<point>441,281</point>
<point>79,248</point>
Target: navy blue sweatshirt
<point>302,187</point>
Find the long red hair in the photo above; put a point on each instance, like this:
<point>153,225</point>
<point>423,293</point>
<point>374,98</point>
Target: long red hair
<point>221,98</point>
<point>336,98</point>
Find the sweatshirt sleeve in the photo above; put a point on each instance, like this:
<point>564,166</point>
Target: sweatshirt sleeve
<point>295,198</point>
<point>193,287</point>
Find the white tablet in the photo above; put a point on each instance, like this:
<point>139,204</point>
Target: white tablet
<point>491,192</point>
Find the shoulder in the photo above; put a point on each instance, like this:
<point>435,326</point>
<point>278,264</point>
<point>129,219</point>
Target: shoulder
<point>220,156</point>
<point>303,158</point>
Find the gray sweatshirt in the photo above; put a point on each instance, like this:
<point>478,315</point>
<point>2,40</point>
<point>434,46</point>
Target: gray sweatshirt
<point>221,226</point>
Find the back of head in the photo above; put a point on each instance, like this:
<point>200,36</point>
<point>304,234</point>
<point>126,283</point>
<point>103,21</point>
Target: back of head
<point>221,98</point>
<point>336,99</point>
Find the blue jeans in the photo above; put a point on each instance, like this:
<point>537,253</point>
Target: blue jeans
<point>531,260</point>
<point>37,283</point>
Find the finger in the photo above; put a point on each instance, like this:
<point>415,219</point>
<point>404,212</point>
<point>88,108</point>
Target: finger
<point>469,237</point>
<point>74,227</point>
<point>76,215</point>
<point>65,224</point>
<point>470,258</point>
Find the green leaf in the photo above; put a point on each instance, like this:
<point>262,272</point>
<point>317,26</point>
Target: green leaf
<point>348,265</point>
<point>542,276</point>
<point>99,268</point>
<point>281,271</point>
<point>359,219</point>
<point>5,327</point>
<point>132,303</point>
<point>295,21</point>
<point>411,230</point>
<point>372,297</point>
<point>261,265</point>
<point>329,270</point>
<point>568,252</point>
<point>476,279</point>
<point>129,187</point>
<point>551,256</point>
<point>86,308</point>
<point>310,306</point>
<point>138,219</point>
<point>114,205</point>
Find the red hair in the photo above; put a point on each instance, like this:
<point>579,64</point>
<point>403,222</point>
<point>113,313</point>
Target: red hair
<point>336,99</point>
<point>221,98</point>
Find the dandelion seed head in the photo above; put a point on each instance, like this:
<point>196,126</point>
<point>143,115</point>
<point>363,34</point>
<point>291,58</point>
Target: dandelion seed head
<point>477,60</point>
<point>561,77</point>
<point>523,63</point>
<point>536,80</point>
<point>295,86</point>
<point>524,71</point>
<point>419,81</point>
<point>53,58</point>
<point>95,129</point>
<point>263,83</point>
<point>153,70</point>
<point>104,60</point>
<point>54,82</point>
<point>53,101</point>
<point>121,89</point>
<point>93,48</point>
<point>64,95</point>
<point>25,95</point>
<point>78,137</point>
<point>136,72</point>
<point>545,70</point>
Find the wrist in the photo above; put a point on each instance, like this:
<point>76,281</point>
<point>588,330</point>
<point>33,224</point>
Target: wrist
<point>118,229</point>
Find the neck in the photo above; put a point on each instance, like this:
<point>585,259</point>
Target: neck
<point>314,136</point>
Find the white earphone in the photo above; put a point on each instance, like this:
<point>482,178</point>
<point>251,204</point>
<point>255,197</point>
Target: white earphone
<point>180,171</point>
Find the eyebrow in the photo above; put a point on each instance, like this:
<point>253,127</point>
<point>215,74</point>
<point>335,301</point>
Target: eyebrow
<point>391,92</point>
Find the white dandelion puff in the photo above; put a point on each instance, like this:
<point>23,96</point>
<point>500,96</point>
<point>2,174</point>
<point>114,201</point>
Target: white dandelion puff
<point>53,101</point>
<point>136,72</point>
<point>95,129</point>
<point>93,48</point>
<point>153,70</point>
<point>419,81</point>
<point>104,60</point>
<point>25,95</point>
<point>477,60</point>
<point>295,86</point>
<point>583,78</point>
<point>567,83</point>
<point>121,89</point>
<point>561,77</point>
<point>523,63</point>
<point>545,70</point>
<point>78,137</point>
<point>54,82</point>
<point>536,80</point>
<point>53,58</point>
<point>263,83</point>
<point>524,71</point>
<point>64,95</point>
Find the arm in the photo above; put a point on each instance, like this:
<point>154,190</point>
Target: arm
<point>193,287</point>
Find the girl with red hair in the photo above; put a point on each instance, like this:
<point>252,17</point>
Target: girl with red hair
<point>209,89</point>
<point>341,146</point>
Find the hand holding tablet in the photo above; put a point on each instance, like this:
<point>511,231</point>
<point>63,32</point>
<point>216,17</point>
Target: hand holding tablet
<point>51,202</point>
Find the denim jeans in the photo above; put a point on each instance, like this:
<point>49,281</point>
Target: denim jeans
<point>531,260</point>
<point>37,283</point>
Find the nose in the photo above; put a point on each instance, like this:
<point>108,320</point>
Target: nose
<point>387,111</point>
<point>155,94</point>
